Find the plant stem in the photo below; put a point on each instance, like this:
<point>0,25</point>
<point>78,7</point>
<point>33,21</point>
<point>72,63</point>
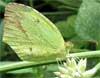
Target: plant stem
<point>57,13</point>
<point>21,65</point>
<point>86,54</point>
<point>97,67</point>
<point>68,7</point>
<point>26,64</point>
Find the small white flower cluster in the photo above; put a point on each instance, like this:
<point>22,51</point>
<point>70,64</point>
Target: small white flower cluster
<point>72,69</point>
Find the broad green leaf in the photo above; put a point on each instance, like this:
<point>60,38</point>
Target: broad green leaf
<point>66,27</point>
<point>1,34</point>
<point>88,20</point>
<point>31,35</point>
<point>2,5</point>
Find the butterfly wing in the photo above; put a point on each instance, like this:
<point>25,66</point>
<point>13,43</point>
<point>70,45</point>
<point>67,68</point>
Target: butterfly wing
<point>31,35</point>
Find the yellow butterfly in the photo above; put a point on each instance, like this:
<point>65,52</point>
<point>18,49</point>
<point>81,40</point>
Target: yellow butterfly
<point>31,35</point>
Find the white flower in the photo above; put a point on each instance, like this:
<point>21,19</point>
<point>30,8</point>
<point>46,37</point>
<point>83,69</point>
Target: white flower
<point>72,69</point>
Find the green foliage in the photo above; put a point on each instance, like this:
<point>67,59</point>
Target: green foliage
<point>3,3</point>
<point>65,4</point>
<point>66,27</point>
<point>87,23</point>
<point>23,29</point>
<point>1,34</point>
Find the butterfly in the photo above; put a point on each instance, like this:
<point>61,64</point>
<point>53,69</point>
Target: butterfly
<point>31,35</point>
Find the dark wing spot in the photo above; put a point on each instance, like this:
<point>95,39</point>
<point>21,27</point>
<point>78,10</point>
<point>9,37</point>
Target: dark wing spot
<point>30,49</point>
<point>36,20</point>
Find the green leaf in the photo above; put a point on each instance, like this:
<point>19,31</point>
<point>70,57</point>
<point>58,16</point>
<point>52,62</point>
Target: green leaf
<point>66,27</point>
<point>88,21</point>
<point>31,35</point>
<point>1,34</point>
<point>3,3</point>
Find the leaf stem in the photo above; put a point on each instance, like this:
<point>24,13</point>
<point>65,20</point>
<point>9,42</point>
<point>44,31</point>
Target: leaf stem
<point>26,64</point>
<point>88,54</point>
<point>97,67</point>
<point>57,13</point>
<point>21,65</point>
<point>68,7</point>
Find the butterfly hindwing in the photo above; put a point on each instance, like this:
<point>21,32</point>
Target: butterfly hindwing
<point>31,35</point>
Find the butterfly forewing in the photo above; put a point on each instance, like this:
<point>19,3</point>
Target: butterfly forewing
<point>31,35</point>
